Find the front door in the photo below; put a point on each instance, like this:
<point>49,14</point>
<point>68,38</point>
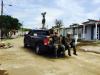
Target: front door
<point>92,32</point>
<point>98,33</point>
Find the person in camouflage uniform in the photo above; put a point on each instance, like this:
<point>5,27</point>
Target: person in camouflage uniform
<point>70,43</point>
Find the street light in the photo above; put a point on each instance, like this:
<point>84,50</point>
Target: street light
<point>2,7</point>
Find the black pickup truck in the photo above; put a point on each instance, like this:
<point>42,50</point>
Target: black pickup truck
<point>38,40</point>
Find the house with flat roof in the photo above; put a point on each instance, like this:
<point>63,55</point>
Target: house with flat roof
<point>91,30</point>
<point>77,30</point>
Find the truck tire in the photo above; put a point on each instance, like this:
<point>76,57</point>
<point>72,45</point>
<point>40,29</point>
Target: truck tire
<point>37,49</point>
<point>25,45</point>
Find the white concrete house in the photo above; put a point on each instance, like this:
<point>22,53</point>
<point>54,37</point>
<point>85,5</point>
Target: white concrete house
<point>77,30</point>
<point>91,30</point>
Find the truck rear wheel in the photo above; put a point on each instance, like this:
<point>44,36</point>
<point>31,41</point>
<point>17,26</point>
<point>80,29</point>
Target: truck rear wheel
<point>38,49</point>
<point>25,45</point>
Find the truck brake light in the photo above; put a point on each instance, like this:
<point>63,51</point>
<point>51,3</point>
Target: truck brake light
<point>46,41</point>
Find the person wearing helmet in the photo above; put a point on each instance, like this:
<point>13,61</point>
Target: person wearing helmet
<point>70,43</point>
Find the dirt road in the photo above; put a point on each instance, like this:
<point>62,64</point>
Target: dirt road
<point>20,61</point>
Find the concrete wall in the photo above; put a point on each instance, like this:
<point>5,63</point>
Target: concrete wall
<point>69,30</point>
<point>61,32</point>
<point>80,33</point>
<point>64,31</point>
<point>88,33</point>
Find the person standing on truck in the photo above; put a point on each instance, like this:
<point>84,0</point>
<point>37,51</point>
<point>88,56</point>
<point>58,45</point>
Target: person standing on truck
<point>70,43</point>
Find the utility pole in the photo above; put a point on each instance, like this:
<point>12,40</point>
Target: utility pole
<point>1,15</point>
<point>2,10</point>
<point>2,7</point>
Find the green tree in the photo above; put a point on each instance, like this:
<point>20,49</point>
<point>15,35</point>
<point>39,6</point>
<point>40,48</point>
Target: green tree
<point>58,23</point>
<point>8,23</point>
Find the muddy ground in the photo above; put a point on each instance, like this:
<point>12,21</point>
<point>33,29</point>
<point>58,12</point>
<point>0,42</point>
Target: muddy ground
<point>21,61</point>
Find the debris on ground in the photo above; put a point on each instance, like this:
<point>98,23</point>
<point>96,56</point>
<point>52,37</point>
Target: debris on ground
<point>5,45</point>
<point>3,72</point>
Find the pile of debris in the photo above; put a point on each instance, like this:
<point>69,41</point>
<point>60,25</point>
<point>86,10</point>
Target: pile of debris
<point>3,72</point>
<point>4,45</point>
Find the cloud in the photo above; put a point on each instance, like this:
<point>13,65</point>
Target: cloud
<point>96,1</point>
<point>94,14</point>
<point>51,16</point>
<point>70,11</point>
<point>52,13</point>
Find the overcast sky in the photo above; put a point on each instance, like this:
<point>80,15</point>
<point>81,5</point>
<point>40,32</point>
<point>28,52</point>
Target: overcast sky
<point>69,11</point>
